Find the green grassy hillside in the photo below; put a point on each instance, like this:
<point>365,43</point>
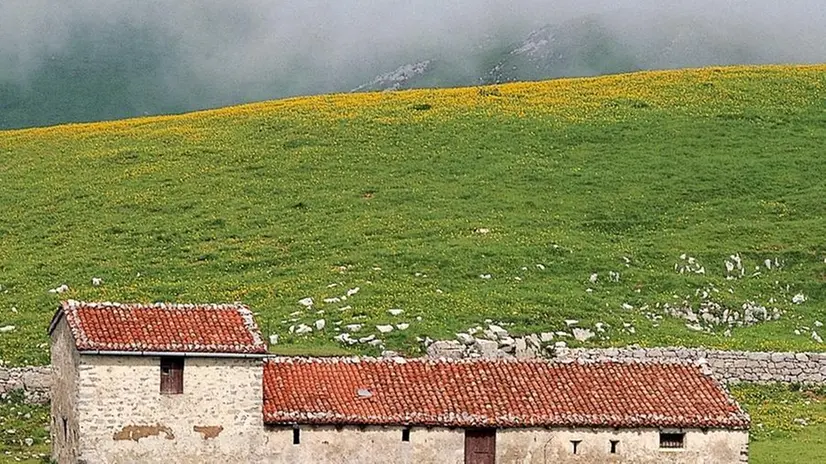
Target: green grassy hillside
<point>412,196</point>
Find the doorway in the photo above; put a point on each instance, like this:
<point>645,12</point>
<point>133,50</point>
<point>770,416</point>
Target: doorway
<point>480,446</point>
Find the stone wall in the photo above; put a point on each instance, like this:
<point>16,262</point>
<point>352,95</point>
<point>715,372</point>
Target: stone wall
<point>123,417</point>
<point>727,366</point>
<point>35,381</point>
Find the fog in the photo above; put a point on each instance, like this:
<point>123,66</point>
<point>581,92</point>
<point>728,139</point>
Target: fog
<point>212,52</point>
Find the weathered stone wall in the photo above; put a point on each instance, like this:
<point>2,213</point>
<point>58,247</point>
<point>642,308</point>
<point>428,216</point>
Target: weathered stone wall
<point>637,446</point>
<point>35,381</point>
<point>327,445</point>
<point>331,445</point>
<point>123,417</point>
<point>63,429</point>
<point>727,366</point>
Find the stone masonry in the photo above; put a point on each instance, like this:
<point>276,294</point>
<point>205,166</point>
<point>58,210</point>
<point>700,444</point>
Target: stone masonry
<point>726,366</point>
<point>35,381</point>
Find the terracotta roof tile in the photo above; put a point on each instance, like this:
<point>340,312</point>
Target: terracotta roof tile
<point>227,328</point>
<point>494,393</point>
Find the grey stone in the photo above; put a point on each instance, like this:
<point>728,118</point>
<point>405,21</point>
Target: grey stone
<point>450,349</point>
<point>486,348</point>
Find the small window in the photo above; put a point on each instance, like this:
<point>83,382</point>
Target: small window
<point>614,444</point>
<point>405,434</point>
<point>672,440</point>
<point>296,436</point>
<point>172,375</point>
<point>65,429</point>
<point>575,446</point>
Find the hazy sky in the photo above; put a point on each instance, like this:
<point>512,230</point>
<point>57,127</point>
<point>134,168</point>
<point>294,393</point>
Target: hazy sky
<point>252,37</point>
<point>233,50</point>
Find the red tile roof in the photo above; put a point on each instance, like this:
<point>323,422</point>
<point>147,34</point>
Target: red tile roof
<point>494,393</point>
<point>227,328</point>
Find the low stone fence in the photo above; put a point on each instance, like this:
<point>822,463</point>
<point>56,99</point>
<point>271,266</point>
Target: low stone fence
<point>726,366</point>
<point>34,381</point>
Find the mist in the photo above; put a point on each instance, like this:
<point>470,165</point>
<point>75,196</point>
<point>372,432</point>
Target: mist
<point>160,56</point>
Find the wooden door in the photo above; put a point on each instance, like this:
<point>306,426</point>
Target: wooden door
<point>480,446</point>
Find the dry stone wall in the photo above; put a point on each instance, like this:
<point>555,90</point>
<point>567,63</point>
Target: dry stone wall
<point>35,382</point>
<point>727,366</point>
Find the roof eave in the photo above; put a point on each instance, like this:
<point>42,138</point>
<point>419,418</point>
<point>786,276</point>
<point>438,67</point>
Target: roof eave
<point>184,354</point>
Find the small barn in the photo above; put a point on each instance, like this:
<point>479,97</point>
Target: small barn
<point>194,384</point>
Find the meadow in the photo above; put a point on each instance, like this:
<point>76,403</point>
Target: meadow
<point>598,199</point>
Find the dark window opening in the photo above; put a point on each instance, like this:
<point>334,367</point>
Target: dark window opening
<point>406,434</point>
<point>614,444</point>
<point>296,436</point>
<point>172,375</point>
<point>575,445</point>
<point>672,440</point>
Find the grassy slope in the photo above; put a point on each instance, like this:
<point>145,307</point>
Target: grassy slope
<point>263,203</point>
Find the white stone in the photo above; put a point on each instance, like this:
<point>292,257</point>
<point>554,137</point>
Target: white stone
<point>384,328</point>
<point>353,327</point>
<point>97,281</point>
<point>799,298</point>
<point>484,276</point>
<point>402,326</point>
<point>62,289</point>
<point>353,291</point>
<point>332,300</point>
<point>818,324</point>
<point>274,339</point>
<point>319,324</point>
<point>303,329</point>
<point>395,312</point>
<point>583,335</point>
<point>367,339</point>
<point>28,441</point>
<point>571,322</point>
<point>497,331</point>
<point>546,337</point>
<point>816,337</point>
<point>465,338</point>
<point>594,277</point>
<point>627,306</point>
<point>306,302</point>
<point>541,267</point>
<point>7,328</point>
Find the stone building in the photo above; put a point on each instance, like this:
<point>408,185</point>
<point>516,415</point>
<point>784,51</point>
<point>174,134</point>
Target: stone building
<point>187,384</point>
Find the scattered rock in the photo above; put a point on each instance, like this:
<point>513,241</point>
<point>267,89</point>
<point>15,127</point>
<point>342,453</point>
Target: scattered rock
<point>402,326</point>
<point>594,277</point>
<point>306,302</point>
<point>332,300</point>
<point>62,289</point>
<point>303,329</point>
<point>97,281</point>
<point>450,349</point>
<point>484,276</point>
<point>395,312</point>
<point>6,329</point>
<point>465,338</point>
<point>571,322</point>
<point>274,339</point>
<point>583,335</point>
<point>319,324</point>
<point>546,337</point>
<point>353,327</point>
<point>384,328</point>
<point>816,337</point>
<point>353,291</point>
<point>799,298</point>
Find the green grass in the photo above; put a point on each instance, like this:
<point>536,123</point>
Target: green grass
<point>271,203</point>
<point>788,423</point>
<point>24,436</point>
